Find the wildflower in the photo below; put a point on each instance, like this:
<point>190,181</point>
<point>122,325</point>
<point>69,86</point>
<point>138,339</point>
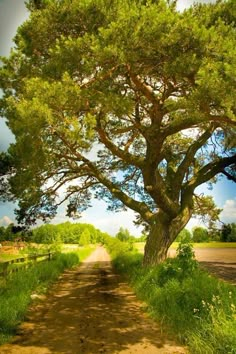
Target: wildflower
<point>195,310</point>
<point>211,307</point>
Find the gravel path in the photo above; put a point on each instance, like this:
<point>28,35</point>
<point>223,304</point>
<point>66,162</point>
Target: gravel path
<point>90,310</point>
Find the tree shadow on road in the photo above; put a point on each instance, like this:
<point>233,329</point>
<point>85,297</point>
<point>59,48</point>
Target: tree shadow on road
<point>91,310</point>
<point>222,270</point>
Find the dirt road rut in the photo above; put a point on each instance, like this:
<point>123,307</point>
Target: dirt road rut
<point>90,310</point>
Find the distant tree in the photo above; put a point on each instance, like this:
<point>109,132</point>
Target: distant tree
<point>184,235</point>
<point>16,229</point>
<point>214,233</point>
<point>67,233</point>
<point>123,234</point>
<point>225,232</point>
<point>232,235</point>
<point>2,233</point>
<point>228,232</point>
<point>152,89</point>
<point>143,237</point>
<point>84,238</point>
<point>46,234</point>
<point>200,234</point>
<point>9,235</point>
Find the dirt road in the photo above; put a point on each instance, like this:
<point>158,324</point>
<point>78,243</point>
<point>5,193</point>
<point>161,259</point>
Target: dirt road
<point>90,310</point>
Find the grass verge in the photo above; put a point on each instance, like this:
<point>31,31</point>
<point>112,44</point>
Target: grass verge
<point>199,309</point>
<point>16,290</point>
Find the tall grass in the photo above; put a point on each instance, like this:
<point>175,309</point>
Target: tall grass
<point>198,308</point>
<point>16,290</point>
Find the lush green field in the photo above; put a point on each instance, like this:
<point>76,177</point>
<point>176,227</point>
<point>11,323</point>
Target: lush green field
<point>41,249</point>
<point>140,245</point>
<point>4,257</point>
<point>16,290</point>
<point>198,309</point>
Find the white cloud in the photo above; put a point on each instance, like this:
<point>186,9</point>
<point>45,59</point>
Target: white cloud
<point>228,214</point>
<point>184,4</point>
<point>5,221</point>
<point>111,222</point>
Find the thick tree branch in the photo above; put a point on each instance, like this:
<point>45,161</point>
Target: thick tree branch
<point>181,124</point>
<point>210,170</point>
<point>156,113</point>
<point>229,176</point>
<point>157,190</point>
<point>124,155</point>
<point>139,207</point>
<point>189,157</point>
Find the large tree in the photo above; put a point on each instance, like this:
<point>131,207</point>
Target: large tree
<point>129,101</point>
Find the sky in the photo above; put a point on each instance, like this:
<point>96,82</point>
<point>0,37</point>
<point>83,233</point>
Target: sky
<point>12,14</point>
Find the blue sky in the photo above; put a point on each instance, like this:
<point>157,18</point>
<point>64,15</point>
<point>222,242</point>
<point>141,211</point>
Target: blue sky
<point>12,14</point>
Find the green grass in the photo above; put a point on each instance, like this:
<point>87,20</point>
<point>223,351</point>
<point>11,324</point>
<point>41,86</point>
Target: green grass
<point>196,308</point>
<point>140,245</point>
<point>16,290</point>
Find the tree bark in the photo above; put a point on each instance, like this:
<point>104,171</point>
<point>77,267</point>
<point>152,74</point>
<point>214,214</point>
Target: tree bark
<point>162,234</point>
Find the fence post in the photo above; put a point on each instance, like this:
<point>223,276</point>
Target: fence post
<point>5,266</point>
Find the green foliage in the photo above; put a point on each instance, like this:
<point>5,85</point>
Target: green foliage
<point>200,234</point>
<point>198,308</point>
<point>67,232</point>
<point>84,238</point>
<point>184,234</point>
<point>228,233</point>
<point>123,234</point>
<point>205,207</point>
<point>2,233</point>
<point>186,258</point>
<point>180,268</point>
<point>117,247</point>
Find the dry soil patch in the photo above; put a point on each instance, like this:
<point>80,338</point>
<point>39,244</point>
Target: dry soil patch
<point>220,262</point>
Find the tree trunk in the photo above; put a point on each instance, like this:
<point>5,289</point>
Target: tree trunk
<point>162,233</point>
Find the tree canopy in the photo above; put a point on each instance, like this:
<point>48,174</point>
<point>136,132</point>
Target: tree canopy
<point>129,101</point>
